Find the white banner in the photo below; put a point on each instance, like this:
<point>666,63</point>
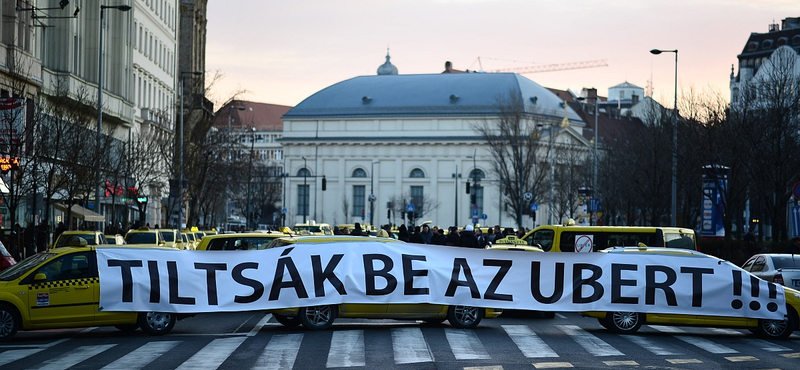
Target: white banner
<point>133,279</point>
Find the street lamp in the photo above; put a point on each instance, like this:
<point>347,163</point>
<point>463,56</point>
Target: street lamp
<point>98,189</point>
<point>552,173</point>
<point>594,179</point>
<point>230,150</point>
<point>372,196</point>
<point>673,219</point>
<point>456,176</point>
<point>249,176</point>
<point>180,147</point>
<point>305,175</point>
<point>475,180</point>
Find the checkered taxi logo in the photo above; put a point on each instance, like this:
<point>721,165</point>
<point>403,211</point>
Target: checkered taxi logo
<point>64,283</point>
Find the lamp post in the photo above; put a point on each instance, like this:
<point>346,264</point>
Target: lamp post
<point>249,176</point>
<point>230,150</point>
<point>98,189</point>
<point>305,175</point>
<point>180,147</point>
<point>673,216</point>
<point>475,180</point>
<point>456,175</point>
<point>372,197</point>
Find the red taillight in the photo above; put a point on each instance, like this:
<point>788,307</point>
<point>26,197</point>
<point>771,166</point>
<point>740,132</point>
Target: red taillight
<point>778,279</point>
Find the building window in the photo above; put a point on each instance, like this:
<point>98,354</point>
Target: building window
<point>359,172</point>
<point>417,174</point>
<point>416,200</point>
<point>359,198</point>
<point>302,200</point>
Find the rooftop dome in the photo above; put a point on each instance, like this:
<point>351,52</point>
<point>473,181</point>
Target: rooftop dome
<point>387,68</point>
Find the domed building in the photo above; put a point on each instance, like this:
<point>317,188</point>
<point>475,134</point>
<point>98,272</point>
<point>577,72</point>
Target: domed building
<point>363,149</point>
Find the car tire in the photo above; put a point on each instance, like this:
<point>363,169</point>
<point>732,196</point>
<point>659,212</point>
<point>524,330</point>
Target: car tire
<point>290,321</point>
<point>624,322</point>
<point>157,323</point>
<point>9,322</point>
<point>778,329</point>
<point>127,327</point>
<point>318,317</point>
<point>464,317</point>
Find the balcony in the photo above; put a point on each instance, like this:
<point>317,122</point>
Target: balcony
<point>156,118</point>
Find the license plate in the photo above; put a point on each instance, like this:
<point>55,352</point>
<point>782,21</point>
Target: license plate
<point>796,283</point>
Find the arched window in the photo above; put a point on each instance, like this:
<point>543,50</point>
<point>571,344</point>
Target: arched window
<point>417,174</point>
<point>303,172</point>
<point>359,172</point>
<point>476,174</point>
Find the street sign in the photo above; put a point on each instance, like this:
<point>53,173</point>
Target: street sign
<point>796,190</point>
<point>474,220</point>
<point>283,210</point>
<point>475,213</point>
<point>534,207</point>
<point>527,197</point>
<point>484,216</point>
<point>372,198</point>
<point>594,205</point>
<point>795,216</point>
<point>410,208</point>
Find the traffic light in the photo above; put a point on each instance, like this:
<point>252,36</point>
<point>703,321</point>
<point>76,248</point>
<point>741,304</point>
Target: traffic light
<point>410,216</point>
<point>389,213</point>
<point>468,189</point>
<point>141,200</point>
<point>473,199</point>
<point>324,183</point>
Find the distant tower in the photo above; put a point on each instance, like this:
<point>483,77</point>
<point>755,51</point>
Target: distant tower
<point>387,68</point>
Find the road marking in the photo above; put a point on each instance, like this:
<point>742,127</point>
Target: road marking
<point>651,345</point>
<point>347,349</point>
<point>142,356</point>
<point>465,345</point>
<point>707,345</point>
<point>791,355</point>
<point>410,346</point>
<point>8,357</point>
<point>260,325</point>
<point>73,357</point>
<point>492,367</point>
<point>741,358</point>
<point>727,331</point>
<point>551,365</point>
<point>589,342</point>
<point>766,346</point>
<point>47,345</point>
<point>213,354</point>
<point>621,363</point>
<point>676,361</point>
<point>280,353</point>
<point>560,316</point>
<point>528,342</point>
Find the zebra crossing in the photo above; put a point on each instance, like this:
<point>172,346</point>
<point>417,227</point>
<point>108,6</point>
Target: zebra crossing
<point>564,345</point>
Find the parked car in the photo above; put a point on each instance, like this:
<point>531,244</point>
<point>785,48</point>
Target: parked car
<point>322,317</point>
<point>6,260</point>
<point>61,289</point>
<point>115,239</point>
<point>238,241</point>
<point>630,322</point>
<point>783,269</point>
<point>145,235</point>
<point>71,237</point>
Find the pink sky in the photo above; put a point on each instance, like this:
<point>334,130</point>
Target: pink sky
<point>281,52</point>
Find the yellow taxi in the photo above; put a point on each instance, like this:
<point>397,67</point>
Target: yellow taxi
<point>322,317</point>
<point>170,237</point>
<point>60,288</point>
<point>115,239</point>
<point>312,228</point>
<point>238,241</point>
<point>630,322</point>
<point>561,238</point>
<point>145,235</point>
<point>72,237</point>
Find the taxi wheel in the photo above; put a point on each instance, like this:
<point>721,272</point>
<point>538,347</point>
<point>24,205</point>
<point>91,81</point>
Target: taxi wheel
<point>464,317</point>
<point>624,322</point>
<point>287,320</point>
<point>157,323</point>
<point>9,322</point>
<point>318,317</point>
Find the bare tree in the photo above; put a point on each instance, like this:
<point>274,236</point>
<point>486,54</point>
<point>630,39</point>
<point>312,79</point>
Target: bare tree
<point>513,140</point>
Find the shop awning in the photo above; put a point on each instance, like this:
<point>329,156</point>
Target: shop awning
<point>81,213</point>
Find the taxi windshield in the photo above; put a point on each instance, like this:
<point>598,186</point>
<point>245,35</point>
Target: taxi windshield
<point>24,266</point>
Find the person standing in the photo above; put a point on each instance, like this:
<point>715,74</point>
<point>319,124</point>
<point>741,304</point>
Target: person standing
<point>452,236</point>
<point>498,234</point>
<point>426,234</point>
<point>357,230</point>
<point>439,238</point>
<point>402,233</point>
<point>481,238</point>
<point>467,239</point>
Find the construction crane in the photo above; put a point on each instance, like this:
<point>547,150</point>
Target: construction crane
<point>550,67</point>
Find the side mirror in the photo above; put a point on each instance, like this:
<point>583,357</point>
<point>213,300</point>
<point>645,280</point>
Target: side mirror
<point>40,277</point>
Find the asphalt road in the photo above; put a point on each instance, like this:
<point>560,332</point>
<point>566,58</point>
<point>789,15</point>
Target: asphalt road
<point>253,340</point>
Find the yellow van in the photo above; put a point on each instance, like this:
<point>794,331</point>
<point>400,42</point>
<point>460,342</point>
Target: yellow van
<point>571,238</point>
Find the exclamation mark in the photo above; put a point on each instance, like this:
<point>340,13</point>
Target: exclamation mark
<point>737,289</point>
<point>773,294</point>
<point>755,290</point>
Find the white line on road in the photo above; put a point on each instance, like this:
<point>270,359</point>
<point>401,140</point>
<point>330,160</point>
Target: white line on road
<point>142,356</point>
<point>213,354</point>
<point>528,342</point>
<point>347,349</point>
<point>589,342</point>
<point>766,346</point>
<point>260,325</point>
<point>280,353</point>
<point>706,345</point>
<point>465,345</point>
<point>410,346</point>
<point>651,345</point>
<point>73,358</point>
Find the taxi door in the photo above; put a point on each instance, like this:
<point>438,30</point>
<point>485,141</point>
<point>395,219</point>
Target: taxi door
<point>66,295</point>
